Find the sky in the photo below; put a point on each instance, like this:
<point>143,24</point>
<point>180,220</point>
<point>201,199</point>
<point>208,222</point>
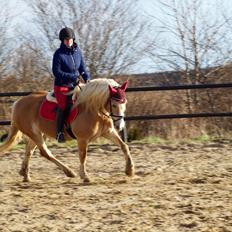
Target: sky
<point>146,7</point>
<point>23,17</point>
<point>19,8</point>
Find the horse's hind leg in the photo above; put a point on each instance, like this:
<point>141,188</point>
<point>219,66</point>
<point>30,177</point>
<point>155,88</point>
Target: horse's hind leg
<point>115,138</point>
<point>24,171</point>
<point>45,152</point>
<point>82,145</point>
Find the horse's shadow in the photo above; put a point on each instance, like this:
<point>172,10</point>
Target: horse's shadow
<point>66,184</point>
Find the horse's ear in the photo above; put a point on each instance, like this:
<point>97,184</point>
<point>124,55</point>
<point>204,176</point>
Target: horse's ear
<point>112,90</point>
<point>124,86</point>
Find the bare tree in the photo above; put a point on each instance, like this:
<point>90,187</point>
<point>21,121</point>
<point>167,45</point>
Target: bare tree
<point>110,32</point>
<point>5,39</point>
<point>193,42</point>
<point>29,71</point>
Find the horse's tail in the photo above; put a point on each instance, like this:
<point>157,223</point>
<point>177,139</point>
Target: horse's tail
<point>11,139</point>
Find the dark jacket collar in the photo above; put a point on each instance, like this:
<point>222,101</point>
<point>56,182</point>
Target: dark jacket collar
<point>65,49</point>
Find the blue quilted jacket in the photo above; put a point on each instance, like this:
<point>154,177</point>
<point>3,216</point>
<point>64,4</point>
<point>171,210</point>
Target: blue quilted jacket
<point>68,64</point>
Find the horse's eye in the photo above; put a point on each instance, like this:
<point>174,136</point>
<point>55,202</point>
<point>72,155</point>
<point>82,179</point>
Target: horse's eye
<point>114,106</point>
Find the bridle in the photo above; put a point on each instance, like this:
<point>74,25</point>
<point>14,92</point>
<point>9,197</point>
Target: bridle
<point>113,116</point>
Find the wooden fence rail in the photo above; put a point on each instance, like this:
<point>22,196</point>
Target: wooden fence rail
<point>154,88</point>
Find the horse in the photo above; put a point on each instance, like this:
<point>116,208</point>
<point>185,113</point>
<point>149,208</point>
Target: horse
<point>100,114</point>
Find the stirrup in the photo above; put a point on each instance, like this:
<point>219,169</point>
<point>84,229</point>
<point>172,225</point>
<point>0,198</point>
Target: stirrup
<point>60,137</point>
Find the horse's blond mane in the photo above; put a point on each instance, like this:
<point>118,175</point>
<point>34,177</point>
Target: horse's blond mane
<point>95,94</point>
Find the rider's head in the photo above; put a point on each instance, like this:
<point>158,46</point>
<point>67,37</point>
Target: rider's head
<point>66,33</point>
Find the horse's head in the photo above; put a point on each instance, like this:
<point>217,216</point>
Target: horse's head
<point>106,98</point>
<point>118,105</point>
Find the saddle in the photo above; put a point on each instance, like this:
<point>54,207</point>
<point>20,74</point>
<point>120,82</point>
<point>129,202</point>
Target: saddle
<point>49,107</point>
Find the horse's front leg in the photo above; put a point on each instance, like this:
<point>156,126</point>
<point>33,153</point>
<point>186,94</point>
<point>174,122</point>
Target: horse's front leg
<point>115,138</point>
<point>82,146</point>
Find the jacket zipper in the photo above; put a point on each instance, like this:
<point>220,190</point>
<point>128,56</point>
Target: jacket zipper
<point>73,63</point>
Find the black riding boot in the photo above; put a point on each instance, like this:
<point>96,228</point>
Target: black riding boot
<point>60,117</point>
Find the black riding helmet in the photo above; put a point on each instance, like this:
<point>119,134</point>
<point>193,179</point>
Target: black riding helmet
<point>66,33</point>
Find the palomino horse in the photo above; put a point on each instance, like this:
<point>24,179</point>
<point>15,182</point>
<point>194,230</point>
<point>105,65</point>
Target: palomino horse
<point>98,109</point>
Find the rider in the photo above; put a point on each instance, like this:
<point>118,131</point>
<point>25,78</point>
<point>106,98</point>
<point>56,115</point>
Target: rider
<point>68,64</point>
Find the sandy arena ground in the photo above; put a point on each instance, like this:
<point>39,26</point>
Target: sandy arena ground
<point>179,188</point>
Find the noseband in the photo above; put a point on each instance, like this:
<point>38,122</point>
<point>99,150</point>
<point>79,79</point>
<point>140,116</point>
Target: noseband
<point>113,116</point>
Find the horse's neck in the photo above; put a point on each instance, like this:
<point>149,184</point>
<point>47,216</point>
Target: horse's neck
<point>83,108</point>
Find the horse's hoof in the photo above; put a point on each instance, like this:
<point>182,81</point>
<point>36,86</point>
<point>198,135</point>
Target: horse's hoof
<point>27,179</point>
<point>22,172</point>
<point>71,174</point>
<point>130,172</point>
<point>86,180</point>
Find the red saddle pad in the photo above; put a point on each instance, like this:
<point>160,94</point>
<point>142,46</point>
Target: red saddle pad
<point>48,111</point>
